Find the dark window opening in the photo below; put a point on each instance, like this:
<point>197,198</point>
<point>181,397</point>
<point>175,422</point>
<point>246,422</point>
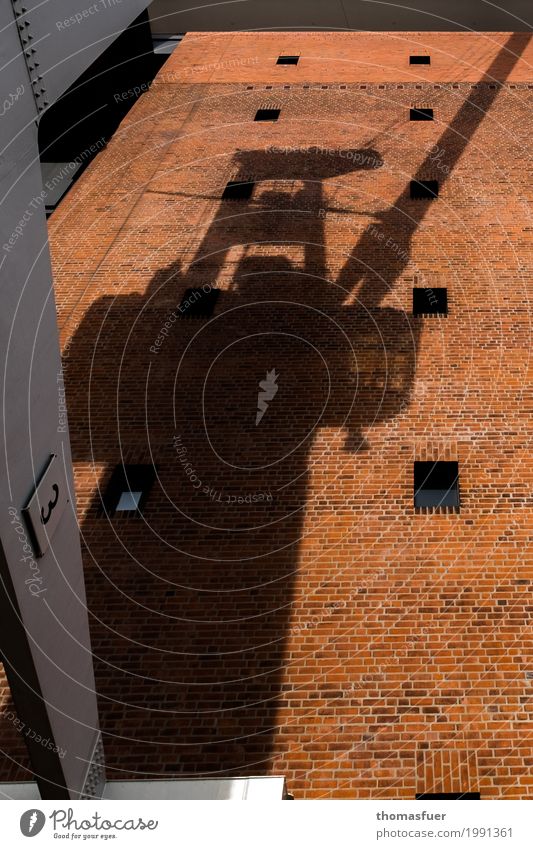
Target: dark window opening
<point>421,114</point>
<point>287,60</point>
<point>424,189</point>
<point>267,114</point>
<point>436,483</point>
<point>127,490</point>
<point>445,796</point>
<point>198,303</point>
<point>420,60</point>
<point>76,126</point>
<point>238,190</point>
<point>430,301</point>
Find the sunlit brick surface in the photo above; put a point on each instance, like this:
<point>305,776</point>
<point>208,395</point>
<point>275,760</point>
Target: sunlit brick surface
<point>281,608</point>
<point>343,57</point>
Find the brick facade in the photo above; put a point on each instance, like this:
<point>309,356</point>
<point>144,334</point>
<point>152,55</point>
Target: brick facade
<point>280,607</point>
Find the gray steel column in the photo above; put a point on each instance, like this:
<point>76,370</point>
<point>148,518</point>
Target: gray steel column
<point>44,628</point>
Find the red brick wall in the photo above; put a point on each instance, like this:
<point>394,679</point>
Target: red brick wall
<point>342,57</point>
<point>329,633</point>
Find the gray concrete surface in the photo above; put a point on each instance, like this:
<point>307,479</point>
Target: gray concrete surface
<point>170,16</point>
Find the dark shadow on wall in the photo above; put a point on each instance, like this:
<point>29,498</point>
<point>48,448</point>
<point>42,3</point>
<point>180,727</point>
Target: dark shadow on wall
<point>219,544</point>
<point>191,602</point>
<point>90,111</point>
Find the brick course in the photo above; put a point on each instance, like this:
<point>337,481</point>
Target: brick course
<point>324,630</point>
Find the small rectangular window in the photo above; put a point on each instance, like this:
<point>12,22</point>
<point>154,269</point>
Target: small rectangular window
<point>287,60</point>
<point>436,484</point>
<point>430,301</point>
<point>420,113</point>
<point>424,189</point>
<point>238,190</point>
<point>267,114</point>
<point>199,303</point>
<point>446,796</point>
<point>128,489</point>
<point>419,60</point>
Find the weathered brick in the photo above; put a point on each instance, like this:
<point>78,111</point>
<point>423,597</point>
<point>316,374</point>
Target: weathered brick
<point>331,633</point>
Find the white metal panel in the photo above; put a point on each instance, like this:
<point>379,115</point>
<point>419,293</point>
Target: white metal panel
<point>27,790</point>
<point>260,788</point>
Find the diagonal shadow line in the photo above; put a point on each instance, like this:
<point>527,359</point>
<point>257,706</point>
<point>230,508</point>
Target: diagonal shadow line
<point>454,136</point>
<point>404,216</point>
